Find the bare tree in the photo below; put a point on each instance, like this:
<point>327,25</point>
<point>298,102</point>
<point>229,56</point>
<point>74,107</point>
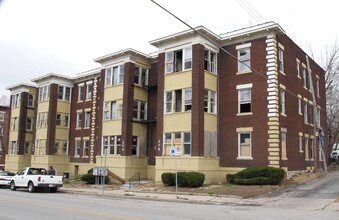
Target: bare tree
<point>331,66</point>
<point>4,100</point>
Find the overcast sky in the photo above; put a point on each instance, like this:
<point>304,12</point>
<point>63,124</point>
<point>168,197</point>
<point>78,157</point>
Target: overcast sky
<point>38,37</point>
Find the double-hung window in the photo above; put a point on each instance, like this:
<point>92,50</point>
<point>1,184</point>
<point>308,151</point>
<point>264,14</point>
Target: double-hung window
<point>44,93</point>
<point>114,75</point>
<point>281,60</point>
<point>244,57</point>
<point>29,124</point>
<point>210,61</point>
<point>299,106</point>
<point>139,110</point>
<point>16,100</point>
<point>30,101</point>
<point>179,140</point>
<point>168,101</point>
<point>134,146</point>
<point>180,60</point>
<point>87,119</point>
<point>79,120</point>
<point>304,77</point>
<point>85,148</point>
<point>2,116</point>
<point>175,100</point>
<point>188,99</point>
<point>282,102</point>
<point>210,101</point>
<point>244,98</point>
<point>80,93</point>
<point>89,88</point>
<point>187,143</point>
<point>64,93</point>
<point>305,112</point>
<point>244,145</point>
<point>112,144</point>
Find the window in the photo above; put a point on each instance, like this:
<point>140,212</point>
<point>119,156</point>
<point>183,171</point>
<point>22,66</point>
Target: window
<point>317,87</point>
<point>281,60</point>
<point>77,148</point>
<point>110,110</point>
<point>30,101</point>
<point>244,147</point>
<point>79,118</point>
<point>139,110</point>
<point>56,148</point>
<point>65,148</point>
<point>180,60</point>
<point>29,124</point>
<point>311,148</point>
<point>87,119</point>
<point>58,120</point>
<point>168,102</point>
<point>300,143</point>
<point>89,91</point>
<point>2,116</point>
<point>14,149</point>
<point>42,119</point>
<point>283,145</point>
<point>305,112</point>
<point>114,75</point>
<point>112,144</point>
<point>310,114</point>
<point>210,61</point>
<point>180,140</point>
<point>244,60</point>
<point>298,69</point>
<point>113,110</point>
<point>81,93</point>
<point>307,155</point>
<point>244,99</point>
<point>187,143</point>
<point>15,124</point>
<point>66,124</point>
<point>140,76</point>
<point>135,109</point>
<point>188,99</point>
<point>174,100</point>
<point>86,148</point>
<point>64,93</point>
<point>16,101</point>
<point>282,102</point>
<point>134,146</point>
<point>44,93</point>
<point>27,147</point>
<point>299,106</point>
<point>304,77</point>
<point>210,101</point>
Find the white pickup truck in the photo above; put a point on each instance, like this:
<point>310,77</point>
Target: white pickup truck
<point>34,178</point>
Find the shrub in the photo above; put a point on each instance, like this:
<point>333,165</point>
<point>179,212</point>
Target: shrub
<point>190,179</point>
<point>185,179</point>
<point>168,179</point>
<point>257,176</point>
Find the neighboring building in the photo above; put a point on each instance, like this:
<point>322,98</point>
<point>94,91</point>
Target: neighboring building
<point>21,126</point>
<point>222,103</point>
<point>4,133</point>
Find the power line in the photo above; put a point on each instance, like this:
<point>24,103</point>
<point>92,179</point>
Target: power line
<point>255,11</point>
<point>221,48</point>
<point>249,11</point>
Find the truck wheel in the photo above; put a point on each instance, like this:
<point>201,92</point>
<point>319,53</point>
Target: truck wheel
<point>31,187</point>
<point>54,190</point>
<point>12,186</point>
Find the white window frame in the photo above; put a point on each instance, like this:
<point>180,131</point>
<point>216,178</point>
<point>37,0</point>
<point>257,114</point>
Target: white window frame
<point>81,89</point>
<point>16,99</point>
<point>79,120</point>
<point>281,60</point>
<point>210,103</point>
<point>29,124</point>
<point>299,106</point>
<point>240,145</point>
<point>242,60</point>
<point>114,77</point>
<point>77,148</point>
<point>86,145</point>
<point>282,101</point>
<point>210,63</point>
<point>186,62</point>
<point>87,119</point>
<point>30,100</point>
<point>2,116</point>
<point>89,94</point>
<point>244,88</point>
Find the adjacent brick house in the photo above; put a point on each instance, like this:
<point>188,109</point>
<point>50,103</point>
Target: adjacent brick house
<point>221,102</point>
<point>4,132</point>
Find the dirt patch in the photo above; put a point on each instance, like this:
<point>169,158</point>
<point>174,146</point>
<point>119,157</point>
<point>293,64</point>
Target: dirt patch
<point>220,189</point>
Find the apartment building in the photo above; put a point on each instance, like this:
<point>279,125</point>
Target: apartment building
<point>4,132</point>
<point>219,102</point>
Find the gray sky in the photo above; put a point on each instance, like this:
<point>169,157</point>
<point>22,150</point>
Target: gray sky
<point>64,36</point>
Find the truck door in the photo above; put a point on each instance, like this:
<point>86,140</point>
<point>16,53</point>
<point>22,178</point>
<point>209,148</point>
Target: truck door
<point>19,180</point>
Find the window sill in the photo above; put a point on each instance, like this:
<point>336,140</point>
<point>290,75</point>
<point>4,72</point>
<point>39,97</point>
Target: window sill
<point>85,157</point>
<point>282,114</point>
<point>209,72</point>
<point>211,113</point>
<point>245,114</point>
<point>77,156</point>
<point>244,158</point>
<point>283,73</point>
<point>88,100</point>
<point>299,77</point>
<point>284,158</point>
<point>80,101</point>
<point>178,72</point>
<point>86,127</point>
<point>78,128</point>
<point>244,72</point>
<point>300,113</point>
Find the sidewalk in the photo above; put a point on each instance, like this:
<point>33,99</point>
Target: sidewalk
<point>156,196</point>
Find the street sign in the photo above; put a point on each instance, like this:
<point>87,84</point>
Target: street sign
<point>175,151</point>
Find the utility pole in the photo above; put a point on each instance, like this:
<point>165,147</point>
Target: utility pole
<point>316,122</point>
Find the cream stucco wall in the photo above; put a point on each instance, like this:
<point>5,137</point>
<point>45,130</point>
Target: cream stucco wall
<point>177,122</point>
<point>210,122</point>
<point>113,92</point>
<point>112,127</point>
<point>210,81</point>
<point>43,106</point>
<point>15,112</point>
<point>60,163</point>
<point>140,93</point>
<point>64,107</point>
<point>14,163</point>
<point>179,80</point>
<point>41,133</point>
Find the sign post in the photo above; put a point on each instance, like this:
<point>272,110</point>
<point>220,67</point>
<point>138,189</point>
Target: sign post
<point>175,151</point>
